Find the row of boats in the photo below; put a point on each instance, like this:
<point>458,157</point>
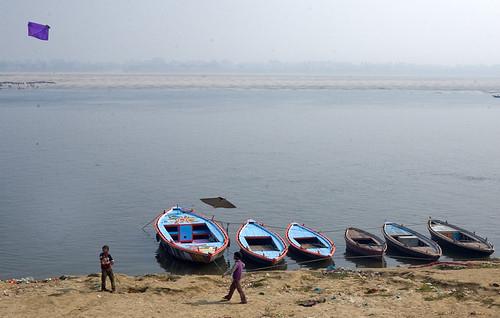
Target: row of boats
<point>190,236</point>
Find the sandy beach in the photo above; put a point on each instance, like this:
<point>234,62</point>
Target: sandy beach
<point>451,291</point>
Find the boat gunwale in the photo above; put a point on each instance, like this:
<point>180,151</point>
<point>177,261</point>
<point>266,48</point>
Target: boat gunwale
<point>212,256</point>
<point>489,247</point>
<point>362,246</point>
<point>253,254</point>
<point>389,239</point>
<point>332,248</point>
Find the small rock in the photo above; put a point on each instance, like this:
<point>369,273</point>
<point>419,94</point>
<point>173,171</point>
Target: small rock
<point>261,293</point>
<point>318,290</point>
<point>401,280</point>
<point>311,302</point>
<point>64,277</point>
<point>25,280</point>
<point>495,285</point>
<point>371,291</point>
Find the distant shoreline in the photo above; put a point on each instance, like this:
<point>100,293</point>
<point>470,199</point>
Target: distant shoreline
<point>489,85</point>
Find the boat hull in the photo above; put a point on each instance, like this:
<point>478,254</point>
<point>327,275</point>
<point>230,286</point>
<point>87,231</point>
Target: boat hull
<point>411,252</point>
<point>446,245</point>
<point>248,255</point>
<point>304,253</point>
<point>190,257</point>
<point>359,250</point>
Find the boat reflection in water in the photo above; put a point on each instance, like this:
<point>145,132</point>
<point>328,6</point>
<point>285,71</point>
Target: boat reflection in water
<point>361,261</point>
<point>179,267</point>
<point>405,259</point>
<point>302,261</point>
<point>455,255</point>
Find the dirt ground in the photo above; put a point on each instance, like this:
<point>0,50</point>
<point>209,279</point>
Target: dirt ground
<point>440,291</point>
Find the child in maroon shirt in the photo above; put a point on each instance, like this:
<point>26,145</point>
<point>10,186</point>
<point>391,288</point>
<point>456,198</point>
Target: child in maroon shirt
<point>106,262</point>
<point>237,271</point>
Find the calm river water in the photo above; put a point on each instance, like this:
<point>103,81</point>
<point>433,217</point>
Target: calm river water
<point>83,167</point>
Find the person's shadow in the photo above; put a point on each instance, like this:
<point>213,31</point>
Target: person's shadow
<point>211,302</point>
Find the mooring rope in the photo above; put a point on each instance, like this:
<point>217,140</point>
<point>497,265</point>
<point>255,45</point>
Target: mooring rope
<point>340,257</point>
<point>320,231</point>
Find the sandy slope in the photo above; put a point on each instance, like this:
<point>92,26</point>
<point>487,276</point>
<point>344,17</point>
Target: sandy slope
<point>401,292</point>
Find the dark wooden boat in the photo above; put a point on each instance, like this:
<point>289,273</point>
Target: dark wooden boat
<point>364,243</point>
<point>308,242</point>
<point>452,237</point>
<point>410,242</point>
<point>259,244</point>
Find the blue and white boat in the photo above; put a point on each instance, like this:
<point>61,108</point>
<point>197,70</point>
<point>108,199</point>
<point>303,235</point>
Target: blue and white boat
<point>410,242</point>
<point>189,236</point>
<point>259,244</point>
<point>308,242</point>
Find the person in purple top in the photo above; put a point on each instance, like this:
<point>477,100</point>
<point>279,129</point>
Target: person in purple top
<point>237,272</point>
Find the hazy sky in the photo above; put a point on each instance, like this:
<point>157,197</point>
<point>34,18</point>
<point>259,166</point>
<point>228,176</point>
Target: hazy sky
<point>375,31</point>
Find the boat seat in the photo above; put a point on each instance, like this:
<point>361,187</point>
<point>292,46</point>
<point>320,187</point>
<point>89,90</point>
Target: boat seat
<point>365,241</point>
<point>201,232</point>
<point>472,244</point>
<point>171,228</point>
<point>442,228</point>
<point>425,249</point>
<point>185,233</point>
<point>409,240</point>
<point>309,242</point>
<point>261,243</point>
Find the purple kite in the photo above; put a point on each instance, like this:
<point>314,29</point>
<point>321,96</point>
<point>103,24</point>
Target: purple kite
<point>38,31</point>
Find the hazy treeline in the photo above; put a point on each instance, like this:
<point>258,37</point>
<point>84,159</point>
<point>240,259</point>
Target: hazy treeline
<point>158,65</point>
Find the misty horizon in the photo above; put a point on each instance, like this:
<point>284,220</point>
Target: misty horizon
<point>447,32</point>
<point>159,65</point>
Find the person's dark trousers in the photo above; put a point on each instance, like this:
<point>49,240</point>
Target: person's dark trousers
<point>105,273</point>
<point>236,285</point>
